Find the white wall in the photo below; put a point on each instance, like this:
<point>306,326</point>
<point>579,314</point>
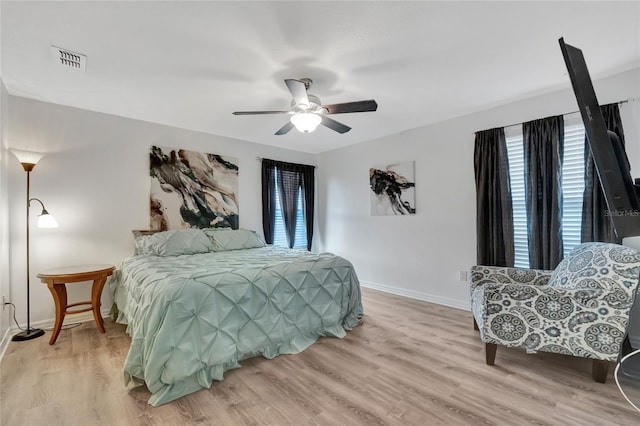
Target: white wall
<point>4,223</point>
<point>422,255</point>
<point>95,182</point>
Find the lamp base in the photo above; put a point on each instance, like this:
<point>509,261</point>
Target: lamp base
<point>28,334</point>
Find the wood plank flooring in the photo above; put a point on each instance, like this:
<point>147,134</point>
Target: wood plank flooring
<point>410,363</point>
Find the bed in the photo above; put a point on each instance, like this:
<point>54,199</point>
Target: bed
<point>196,303</point>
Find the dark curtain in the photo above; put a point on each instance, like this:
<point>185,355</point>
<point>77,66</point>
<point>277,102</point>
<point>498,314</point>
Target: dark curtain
<point>308,185</point>
<point>293,179</point>
<point>543,150</point>
<point>268,199</point>
<point>494,209</point>
<point>596,225</point>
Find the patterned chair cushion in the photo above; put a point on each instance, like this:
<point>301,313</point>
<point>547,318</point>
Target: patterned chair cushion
<point>598,266</point>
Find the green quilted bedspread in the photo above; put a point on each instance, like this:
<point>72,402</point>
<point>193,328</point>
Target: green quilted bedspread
<point>193,317</point>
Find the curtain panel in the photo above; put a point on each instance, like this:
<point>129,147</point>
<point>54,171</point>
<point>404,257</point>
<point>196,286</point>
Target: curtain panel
<point>543,142</point>
<point>294,180</point>
<point>308,184</point>
<point>268,199</point>
<point>596,225</point>
<point>494,210</point>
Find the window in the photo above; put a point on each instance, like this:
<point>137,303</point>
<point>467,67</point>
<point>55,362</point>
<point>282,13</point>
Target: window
<point>515,152</point>
<point>572,183</point>
<point>279,235</point>
<point>297,188</point>
<point>572,187</point>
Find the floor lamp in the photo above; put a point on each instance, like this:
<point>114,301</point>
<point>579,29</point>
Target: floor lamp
<point>45,220</point>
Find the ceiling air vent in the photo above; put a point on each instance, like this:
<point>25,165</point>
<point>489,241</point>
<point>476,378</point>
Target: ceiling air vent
<point>69,59</point>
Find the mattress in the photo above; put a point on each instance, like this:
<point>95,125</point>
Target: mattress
<point>193,317</point>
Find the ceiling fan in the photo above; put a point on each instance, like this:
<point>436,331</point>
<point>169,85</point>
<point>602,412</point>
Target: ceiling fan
<point>307,112</point>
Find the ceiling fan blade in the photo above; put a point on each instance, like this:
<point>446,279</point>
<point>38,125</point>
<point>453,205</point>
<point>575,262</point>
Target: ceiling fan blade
<point>259,112</point>
<point>298,91</point>
<point>359,106</point>
<point>285,129</point>
<point>334,125</point>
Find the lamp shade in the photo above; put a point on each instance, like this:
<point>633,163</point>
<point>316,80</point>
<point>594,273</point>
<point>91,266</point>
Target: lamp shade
<point>45,220</point>
<point>29,157</point>
<point>306,122</point>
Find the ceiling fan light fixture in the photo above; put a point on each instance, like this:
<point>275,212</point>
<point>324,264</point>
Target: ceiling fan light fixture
<point>307,112</point>
<point>306,122</point>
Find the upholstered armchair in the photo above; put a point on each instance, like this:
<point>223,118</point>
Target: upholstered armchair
<point>581,308</point>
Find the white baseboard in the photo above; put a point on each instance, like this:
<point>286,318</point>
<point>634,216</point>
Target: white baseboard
<point>4,343</point>
<point>69,319</point>
<point>439,300</point>
<point>47,325</point>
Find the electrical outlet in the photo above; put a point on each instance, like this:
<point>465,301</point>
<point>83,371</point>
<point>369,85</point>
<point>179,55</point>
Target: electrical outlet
<point>464,275</point>
<point>4,302</point>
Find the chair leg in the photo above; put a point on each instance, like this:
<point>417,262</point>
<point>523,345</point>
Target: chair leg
<point>475,325</point>
<point>490,353</point>
<point>599,370</point>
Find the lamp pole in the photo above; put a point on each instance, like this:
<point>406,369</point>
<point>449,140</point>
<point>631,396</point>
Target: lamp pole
<point>29,333</point>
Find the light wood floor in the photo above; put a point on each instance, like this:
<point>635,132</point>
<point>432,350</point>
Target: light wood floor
<point>410,363</point>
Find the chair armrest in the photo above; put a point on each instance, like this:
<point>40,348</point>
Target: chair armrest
<point>580,322</point>
<point>481,274</point>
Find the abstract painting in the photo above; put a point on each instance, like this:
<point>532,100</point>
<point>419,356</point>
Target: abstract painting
<point>393,189</point>
<point>192,189</point>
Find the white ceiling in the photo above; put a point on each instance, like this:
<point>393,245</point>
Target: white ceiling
<point>190,65</point>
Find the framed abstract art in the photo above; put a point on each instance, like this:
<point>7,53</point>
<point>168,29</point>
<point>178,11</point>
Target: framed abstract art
<point>192,189</point>
<point>393,189</point>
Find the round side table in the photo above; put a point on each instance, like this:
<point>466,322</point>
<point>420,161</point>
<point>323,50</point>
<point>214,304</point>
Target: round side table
<point>57,280</point>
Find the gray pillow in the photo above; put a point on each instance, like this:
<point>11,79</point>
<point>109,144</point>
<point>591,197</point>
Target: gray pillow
<point>234,240</point>
<point>174,243</point>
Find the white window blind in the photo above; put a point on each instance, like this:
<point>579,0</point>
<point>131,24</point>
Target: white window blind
<point>515,152</point>
<point>572,182</point>
<point>572,187</point>
<point>279,235</point>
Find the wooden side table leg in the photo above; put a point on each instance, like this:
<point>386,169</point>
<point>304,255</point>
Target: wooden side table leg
<point>59,293</point>
<point>96,293</point>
